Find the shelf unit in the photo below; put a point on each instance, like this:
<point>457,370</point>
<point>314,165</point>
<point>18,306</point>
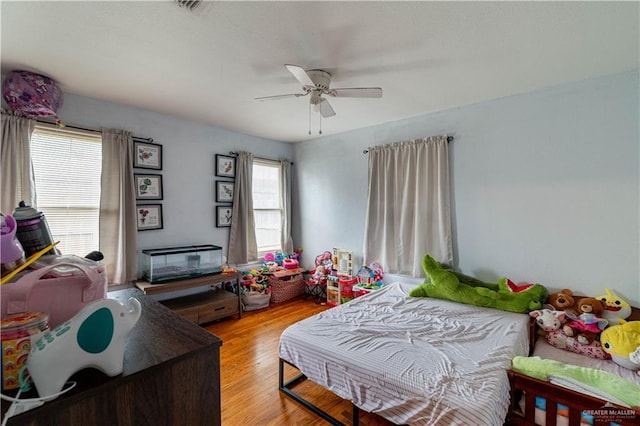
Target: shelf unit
<point>202,307</point>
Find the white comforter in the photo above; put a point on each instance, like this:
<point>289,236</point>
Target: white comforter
<point>412,360</point>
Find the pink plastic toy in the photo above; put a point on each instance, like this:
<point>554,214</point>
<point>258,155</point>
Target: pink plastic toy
<point>290,264</point>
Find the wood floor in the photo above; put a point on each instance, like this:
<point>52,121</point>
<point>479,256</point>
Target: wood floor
<point>249,372</point>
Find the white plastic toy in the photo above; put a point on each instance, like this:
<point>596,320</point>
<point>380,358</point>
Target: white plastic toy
<point>547,319</point>
<point>94,337</point>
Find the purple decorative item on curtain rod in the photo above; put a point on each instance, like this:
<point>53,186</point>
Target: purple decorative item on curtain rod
<point>32,94</point>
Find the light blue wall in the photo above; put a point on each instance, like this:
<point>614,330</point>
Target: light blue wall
<point>545,186</point>
<point>188,165</point>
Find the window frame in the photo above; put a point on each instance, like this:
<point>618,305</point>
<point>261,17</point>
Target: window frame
<point>276,165</point>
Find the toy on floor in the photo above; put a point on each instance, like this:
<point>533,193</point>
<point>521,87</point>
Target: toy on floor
<point>509,296</point>
<point>615,307</point>
<point>622,342</point>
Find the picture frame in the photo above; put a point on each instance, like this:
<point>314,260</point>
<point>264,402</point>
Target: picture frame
<point>148,187</point>
<point>149,216</point>
<point>147,155</point>
<point>225,166</point>
<point>223,216</point>
<point>224,191</point>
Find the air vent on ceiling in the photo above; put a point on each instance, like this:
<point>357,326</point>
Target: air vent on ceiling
<point>190,5</point>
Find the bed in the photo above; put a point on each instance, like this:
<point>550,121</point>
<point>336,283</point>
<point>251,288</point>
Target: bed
<point>410,360</point>
<point>431,361</point>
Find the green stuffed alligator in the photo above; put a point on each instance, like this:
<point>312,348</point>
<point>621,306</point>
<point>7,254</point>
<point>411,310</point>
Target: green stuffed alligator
<point>504,295</point>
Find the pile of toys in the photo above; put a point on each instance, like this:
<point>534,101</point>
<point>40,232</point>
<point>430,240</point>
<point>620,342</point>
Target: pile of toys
<point>256,280</point>
<point>596,327</point>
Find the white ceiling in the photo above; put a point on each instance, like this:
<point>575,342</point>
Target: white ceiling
<point>207,66</point>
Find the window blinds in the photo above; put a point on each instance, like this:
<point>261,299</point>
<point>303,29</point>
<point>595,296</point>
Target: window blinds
<point>67,166</point>
<point>266,204</point>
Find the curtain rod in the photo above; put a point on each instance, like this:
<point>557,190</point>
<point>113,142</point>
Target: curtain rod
<point>235,154</point>
<point>150,140</point>
<point>449,139</point>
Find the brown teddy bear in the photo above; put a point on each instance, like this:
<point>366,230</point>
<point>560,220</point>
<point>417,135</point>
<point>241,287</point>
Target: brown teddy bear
<point>562,300</point>
<point>587,325</point>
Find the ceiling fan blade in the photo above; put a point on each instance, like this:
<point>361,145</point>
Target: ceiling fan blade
<point>356,92</point>
<point>276,97</point>
<point>301,75</point>
<point>325,109</point>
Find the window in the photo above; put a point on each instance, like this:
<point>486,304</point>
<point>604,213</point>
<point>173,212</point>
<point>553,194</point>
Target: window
<point>67,166</point>
<point>267,206</point>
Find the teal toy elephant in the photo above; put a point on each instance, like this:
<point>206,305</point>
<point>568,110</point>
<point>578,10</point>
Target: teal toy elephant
<point>504,295</point>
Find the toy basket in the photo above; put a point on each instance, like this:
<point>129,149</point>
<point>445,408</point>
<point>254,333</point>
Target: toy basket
<point>286,285</point>
<point>254,300</point>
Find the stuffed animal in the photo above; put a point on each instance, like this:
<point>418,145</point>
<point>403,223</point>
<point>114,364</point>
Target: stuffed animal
<point>588,325</point>
<point>562,300</point>
<point>615,307</point>
<point>622,342</point>
<point>508,296</point>
<point>548,320</point>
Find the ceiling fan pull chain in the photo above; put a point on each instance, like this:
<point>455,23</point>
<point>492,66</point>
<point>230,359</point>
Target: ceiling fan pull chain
<point>320,124</point>
<point>309,119</point>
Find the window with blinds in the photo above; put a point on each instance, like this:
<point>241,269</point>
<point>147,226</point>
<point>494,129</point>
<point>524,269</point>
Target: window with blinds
<point>267,206</point>
<point>67,166</point>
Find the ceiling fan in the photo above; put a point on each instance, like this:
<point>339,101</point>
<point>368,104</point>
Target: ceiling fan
<point>317,83</point>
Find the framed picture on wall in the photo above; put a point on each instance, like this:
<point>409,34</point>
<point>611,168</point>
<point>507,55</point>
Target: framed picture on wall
<point>224,191</point>
<point>149,216</point>
<point>223,216</point>
<point>148,187</point>
<point>147,155</point>
<point>225,166</point>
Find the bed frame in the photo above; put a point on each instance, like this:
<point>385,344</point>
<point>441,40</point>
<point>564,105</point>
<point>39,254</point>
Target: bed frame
<point>575,401</point>
<point>286,388</point>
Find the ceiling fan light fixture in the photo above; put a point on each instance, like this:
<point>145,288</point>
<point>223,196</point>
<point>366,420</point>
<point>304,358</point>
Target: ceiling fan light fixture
<point>315,99</point>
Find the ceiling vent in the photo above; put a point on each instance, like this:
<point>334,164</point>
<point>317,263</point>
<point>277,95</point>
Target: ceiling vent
<point>190,5</point>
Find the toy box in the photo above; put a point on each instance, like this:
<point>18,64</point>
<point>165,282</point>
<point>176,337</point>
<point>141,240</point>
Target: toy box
<point>176,263</point>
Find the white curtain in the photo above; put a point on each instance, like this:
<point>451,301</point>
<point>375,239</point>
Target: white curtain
<point>243,247</point>
<point>18,182</point>
<point>118,225</point>
<point>285,199</point>
<point>408,211</point>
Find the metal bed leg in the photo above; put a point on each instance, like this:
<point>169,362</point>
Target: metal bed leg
<point>284,388</point>
<point>356,415</point>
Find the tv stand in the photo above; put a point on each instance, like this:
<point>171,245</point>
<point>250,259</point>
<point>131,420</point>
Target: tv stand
<point>202,307</point>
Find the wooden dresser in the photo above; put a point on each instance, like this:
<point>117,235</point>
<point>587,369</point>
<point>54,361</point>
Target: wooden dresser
<point>171,376</point>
